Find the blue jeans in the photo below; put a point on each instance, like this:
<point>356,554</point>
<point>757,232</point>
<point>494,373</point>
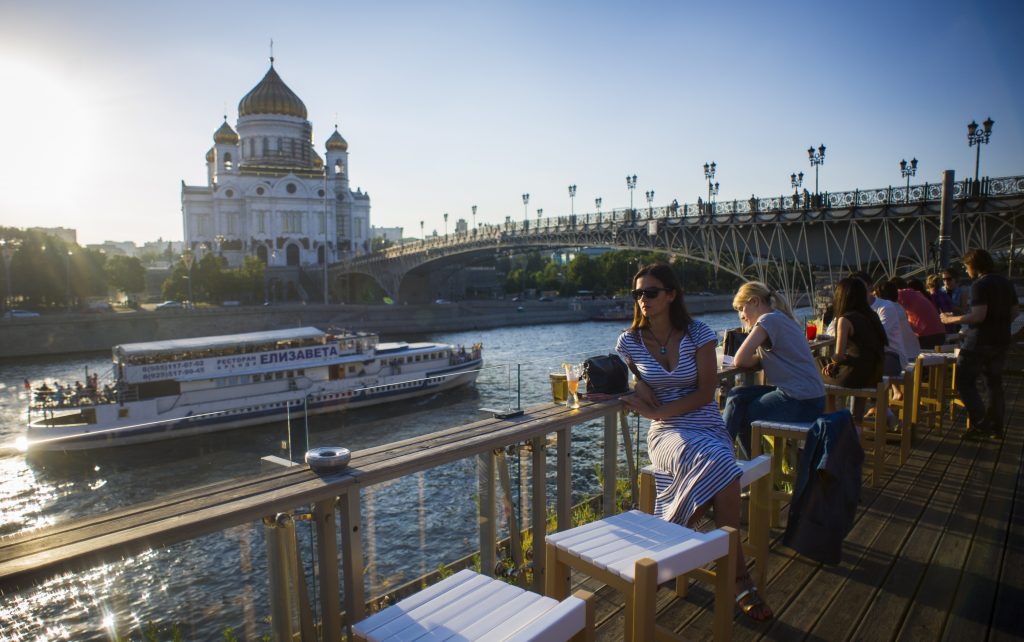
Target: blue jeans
<point>987,362</point>
<point>747,404</point>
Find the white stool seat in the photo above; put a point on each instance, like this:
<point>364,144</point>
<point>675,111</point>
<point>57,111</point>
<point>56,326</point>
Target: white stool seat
<point>616,543</point>
<point>470,606</point>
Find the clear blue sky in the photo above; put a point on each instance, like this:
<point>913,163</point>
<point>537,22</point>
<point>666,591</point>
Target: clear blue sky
<point>107,106</point>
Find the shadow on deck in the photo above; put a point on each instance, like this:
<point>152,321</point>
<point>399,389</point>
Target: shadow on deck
<point>936,553</point>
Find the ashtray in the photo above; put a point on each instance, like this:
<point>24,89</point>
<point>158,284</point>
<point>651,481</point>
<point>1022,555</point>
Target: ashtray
<point>328,459</point>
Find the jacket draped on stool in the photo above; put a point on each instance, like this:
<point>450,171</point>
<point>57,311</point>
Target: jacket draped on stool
<point>827,489</point>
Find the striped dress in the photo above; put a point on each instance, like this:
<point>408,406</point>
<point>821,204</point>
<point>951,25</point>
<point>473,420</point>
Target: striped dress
<point>693,447</point>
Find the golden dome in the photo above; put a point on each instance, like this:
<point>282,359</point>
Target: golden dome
<point>271,96</point>
<point>336,143</point>
<point>210,156</point>
<point>318,163</point>
<point>225,134</point>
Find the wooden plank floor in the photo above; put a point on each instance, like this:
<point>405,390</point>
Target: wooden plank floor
<point>936,553</point>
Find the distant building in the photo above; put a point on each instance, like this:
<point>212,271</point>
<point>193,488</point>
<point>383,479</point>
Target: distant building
<point>269,193</point>
<point>67,235</point>
<point>115,248</point>
<point>461,227</point>
<point>391,234</point>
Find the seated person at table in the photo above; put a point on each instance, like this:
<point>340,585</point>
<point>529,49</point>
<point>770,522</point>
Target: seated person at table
<point>673,357</point>
<point>860,338</point>
<point>922,315</point>
<point>777,343</point>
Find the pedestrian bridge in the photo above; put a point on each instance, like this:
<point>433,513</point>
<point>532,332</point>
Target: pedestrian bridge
<point>789,241</point>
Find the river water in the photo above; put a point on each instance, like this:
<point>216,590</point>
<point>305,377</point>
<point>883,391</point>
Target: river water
<point>203,586</point>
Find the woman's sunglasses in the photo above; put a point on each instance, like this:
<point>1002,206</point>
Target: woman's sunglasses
<point>648,293</point>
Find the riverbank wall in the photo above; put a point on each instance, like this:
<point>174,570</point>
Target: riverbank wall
<point>79,333</point>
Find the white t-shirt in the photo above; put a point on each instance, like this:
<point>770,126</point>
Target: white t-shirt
<point>902,339</point>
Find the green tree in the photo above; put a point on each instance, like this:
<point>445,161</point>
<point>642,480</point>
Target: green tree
<point>125,273</point>
<point>584,273</point>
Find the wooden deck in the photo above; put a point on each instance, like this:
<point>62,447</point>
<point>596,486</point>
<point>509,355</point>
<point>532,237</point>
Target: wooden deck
<point>937,553</point>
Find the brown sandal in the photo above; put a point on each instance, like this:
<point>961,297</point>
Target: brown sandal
<point>751,603</point>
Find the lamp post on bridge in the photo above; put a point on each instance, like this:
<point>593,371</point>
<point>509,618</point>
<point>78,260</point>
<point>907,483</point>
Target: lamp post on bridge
<point>907,170</point>
<point>7,249</point>
<point>474,220</point>
<point>446,224</point>
<point>796,181</point>
<point>976,138</point>
<point>572,200</point>
<point>650,199</point>
<point>423,235</point>
<point>631,185</point>
<point>540,213</point>
<point>709,174</point>
<point>597,203</point>
<point>816,158</point>
<point>188,258</point>
<point>526,202</point>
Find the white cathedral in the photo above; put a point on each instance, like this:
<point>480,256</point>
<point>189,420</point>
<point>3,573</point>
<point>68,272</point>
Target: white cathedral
<point>269,194</point>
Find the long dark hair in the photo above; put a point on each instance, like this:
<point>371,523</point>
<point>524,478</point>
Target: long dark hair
<point>851,295</point>
<point>677,314</point>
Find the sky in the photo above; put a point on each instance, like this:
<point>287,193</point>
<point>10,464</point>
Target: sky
<point>107,107</point>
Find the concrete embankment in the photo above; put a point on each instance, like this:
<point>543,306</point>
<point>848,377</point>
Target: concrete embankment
<point>74,333</point>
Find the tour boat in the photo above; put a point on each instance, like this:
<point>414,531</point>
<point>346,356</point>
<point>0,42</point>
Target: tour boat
<point>175,388</point>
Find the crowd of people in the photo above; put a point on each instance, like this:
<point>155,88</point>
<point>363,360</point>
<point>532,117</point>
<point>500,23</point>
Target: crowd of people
<point>879,328</point>
<point>65,395</point>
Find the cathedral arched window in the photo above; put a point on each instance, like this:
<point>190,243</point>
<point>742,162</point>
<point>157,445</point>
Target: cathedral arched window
<point>339,167</point>
<point>227,162</point>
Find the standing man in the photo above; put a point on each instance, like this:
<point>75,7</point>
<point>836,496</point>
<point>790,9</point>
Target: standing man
<point>983,352</point>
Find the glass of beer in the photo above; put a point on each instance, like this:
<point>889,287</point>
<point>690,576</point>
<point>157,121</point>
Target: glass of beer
<point>572,379</point>
<point>559,387</point>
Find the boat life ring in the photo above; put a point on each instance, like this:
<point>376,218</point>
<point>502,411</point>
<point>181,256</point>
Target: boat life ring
<point>328,459</point>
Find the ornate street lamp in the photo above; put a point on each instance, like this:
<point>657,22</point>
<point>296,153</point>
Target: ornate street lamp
<point>977,137</point>
<point>540,213</point>
<point>817,158</point>
<point>446,224</point>
<point>709,174</point>
<point>474,219</point>
<point>572,199</point>
<point>422,236</point>
<point>631,185</point>
<point>796,181</point>
<point>650,199</point>
<point>526,201</point>
<point>907,170</point>
<point>188,258</point>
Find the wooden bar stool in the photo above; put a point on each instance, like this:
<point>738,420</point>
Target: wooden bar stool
<point>755,475</point>
<point>633,552</point>
<point>469,606</point>
<point>872,428</point>
<point>783,434</point>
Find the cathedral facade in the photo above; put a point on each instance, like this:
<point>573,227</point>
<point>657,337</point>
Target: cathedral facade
<point>269,193</point>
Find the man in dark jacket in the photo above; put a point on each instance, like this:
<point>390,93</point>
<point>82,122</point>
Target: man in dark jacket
<point>983,351</point>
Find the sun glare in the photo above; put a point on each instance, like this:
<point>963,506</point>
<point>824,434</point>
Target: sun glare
<point>50,122</point>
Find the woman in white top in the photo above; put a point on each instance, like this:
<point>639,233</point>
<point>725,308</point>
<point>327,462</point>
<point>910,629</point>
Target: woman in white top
<point>778,344</point>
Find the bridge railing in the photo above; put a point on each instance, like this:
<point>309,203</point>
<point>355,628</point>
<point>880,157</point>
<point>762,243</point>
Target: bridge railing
<point>488,233</point>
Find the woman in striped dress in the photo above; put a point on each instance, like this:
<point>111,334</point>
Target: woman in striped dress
<point>673,357</point>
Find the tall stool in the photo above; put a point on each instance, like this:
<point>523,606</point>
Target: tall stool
<point>872,429</point>
<point>755,475</point>
<point>633,552</point>
<point>469,606</point>
<point>783,434</point>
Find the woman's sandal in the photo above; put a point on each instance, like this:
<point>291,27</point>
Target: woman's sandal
<point>751,603</point>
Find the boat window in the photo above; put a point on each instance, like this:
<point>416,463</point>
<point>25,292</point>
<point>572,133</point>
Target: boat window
<point>279,375</point>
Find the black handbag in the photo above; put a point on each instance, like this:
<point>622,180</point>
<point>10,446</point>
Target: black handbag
<point>606,374</point>
<point>733,340</point>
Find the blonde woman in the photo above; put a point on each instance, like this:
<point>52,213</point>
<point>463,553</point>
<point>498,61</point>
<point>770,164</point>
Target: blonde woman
<point>776,343</point>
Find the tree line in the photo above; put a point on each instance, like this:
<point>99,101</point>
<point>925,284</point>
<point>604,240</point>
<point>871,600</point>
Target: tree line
<point>45,271</point>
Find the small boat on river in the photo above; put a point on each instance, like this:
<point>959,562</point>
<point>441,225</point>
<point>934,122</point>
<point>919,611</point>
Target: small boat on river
<point>181,387</point>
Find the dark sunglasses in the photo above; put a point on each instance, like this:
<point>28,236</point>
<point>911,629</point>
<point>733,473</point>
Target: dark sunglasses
<point>649,293</point>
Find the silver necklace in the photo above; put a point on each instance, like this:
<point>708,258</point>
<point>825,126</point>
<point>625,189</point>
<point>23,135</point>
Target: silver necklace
<point>661,344</point>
